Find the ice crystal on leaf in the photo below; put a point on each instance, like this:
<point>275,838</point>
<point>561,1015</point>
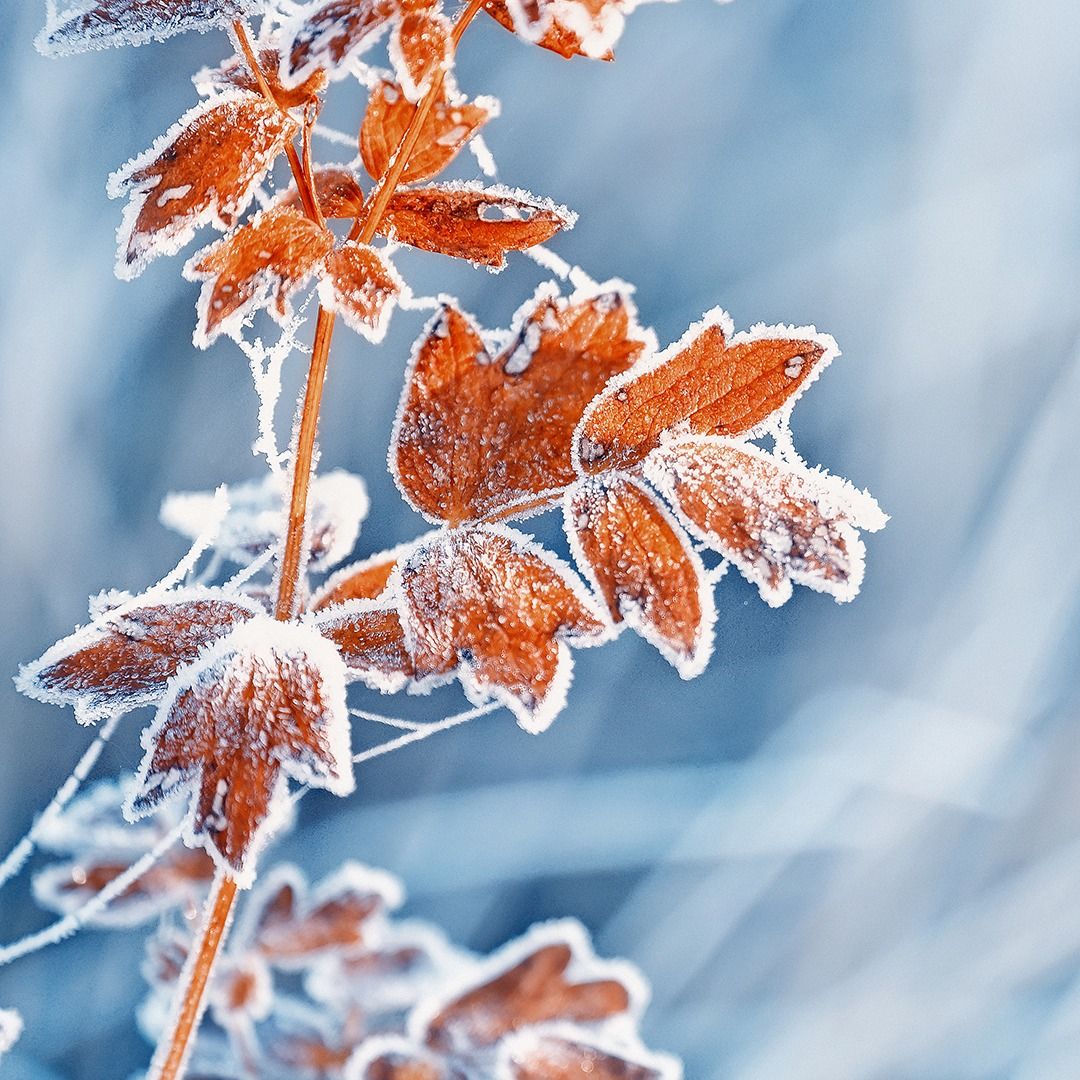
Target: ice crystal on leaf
<point>337,191</point>
<point>97,24</point>
<point>567,27</point>
<point>235,72</point>
<point>203,171</point>
<point>326,34</point>
<point>419,49</point>
<point>263,704</point>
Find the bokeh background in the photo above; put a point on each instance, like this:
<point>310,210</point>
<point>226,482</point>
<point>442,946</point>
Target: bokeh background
<point>851,850</point>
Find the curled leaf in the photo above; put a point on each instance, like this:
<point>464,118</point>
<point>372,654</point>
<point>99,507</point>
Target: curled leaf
<point>236,72</point>
<point>326,34</point>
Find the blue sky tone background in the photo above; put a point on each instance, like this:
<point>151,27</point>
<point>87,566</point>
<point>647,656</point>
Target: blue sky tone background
<point>851,850</point>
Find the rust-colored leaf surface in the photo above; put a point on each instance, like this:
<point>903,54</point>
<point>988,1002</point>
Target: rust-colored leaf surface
<point>480,434</point>
<point>534,991</point>
<point>267,704</point>
<point>710,384</point>
<point>371,641</point>
<point>96,24</point>
<point>338,193</point>
<point>275,253</point>
<point>550,1057</point>
<point>568,27</point>
<point>203,172</point>
<point>327,35</point>
<point>448,127</point>
<point>419,49</point>
<point>363,580</point>
<point>778,525</point>
<point>473,223</point>
<point>360,284</point>
<point>486,605</point>
<point>124,660</point>
<point>643,566</point>
<point>408,1065</point>
<point>236,72</point>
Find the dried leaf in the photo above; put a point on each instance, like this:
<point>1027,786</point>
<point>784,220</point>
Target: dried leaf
<point>203,171</point>
<point>468,221</point>
<point>776,523</point>
<point>371,640</point>
<point>420,49</point>
<point>567,27</point>
<point>276,252</point>
<point>265,703</point>
<point>479,435</point>
<point>98,24</point>
<point>486,605</point>
<point>329,33</point>
<point>404,1063</point>
<point>643,565</point>
<point>547,1056</point>
<point>709,382</point>
<point>124,659</point>
<point>236,72</point>
<point>364,580</point>
<point>448,127</point>
<point>362,286</point>
<point>336,188</point>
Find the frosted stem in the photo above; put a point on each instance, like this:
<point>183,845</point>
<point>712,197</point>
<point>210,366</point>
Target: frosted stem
<point>424,732</point>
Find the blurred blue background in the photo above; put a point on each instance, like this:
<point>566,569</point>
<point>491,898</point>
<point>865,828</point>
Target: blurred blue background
<point>851,850</point>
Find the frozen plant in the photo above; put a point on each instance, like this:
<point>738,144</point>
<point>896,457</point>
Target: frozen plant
<point>657,459</point>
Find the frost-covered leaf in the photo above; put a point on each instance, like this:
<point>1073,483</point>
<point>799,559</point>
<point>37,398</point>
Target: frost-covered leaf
<point>370,637</point>
<point>97,24</point>
<point>363,580</point>
<point>126,657</point>
<point>337,191</point>
<point>291,927</point>
<point>469,221</point>
<point>778,524</point>
<point>567,27</point>
<point>708,383</point>
<point>563,1053</point>
<point>361,285</point>
<point>11,1027</point>
<point>328,33</point>
<point>498,612</point>
<point>264,704</point>
<point>269,258</point>
<point>479,433</point>
<point>337,504</point>
<point>420,49</point>
<point>203,171</point>
<point>235,72</point>
<point>643,565</point>
<point>448,127</point>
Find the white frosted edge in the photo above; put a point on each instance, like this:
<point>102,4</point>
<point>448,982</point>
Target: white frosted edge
<point>349,570</point>
<point>504,193</point>
<point>88,710</point>
<point>413,90</point>
<point>265,639</point>
<point>332,301</point>
<point>375,1047</point>
<point>688,665</point>
<point>345,612</point>
<point>320,58</point>
<point>538,718</point>
<point>170,241</point>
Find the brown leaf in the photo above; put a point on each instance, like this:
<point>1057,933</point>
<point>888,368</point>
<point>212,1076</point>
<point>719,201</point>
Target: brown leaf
<point>371,641</point>
<point>480,435</point>
<point>364,580</point>
<point>336,188</point>
<point>486,605</point>
<point>124,659</point>
<point>472,222</point>
<point>777,524</point>
<point>276,252</point>
<point>448,127</point>
<point>643,565</point>
<point>327,35</point>
<point>552,1057</point>
<point>710,382</point>
<point>534,991</point>
<point>420,48</point>
<point>97,24</point>
<point>407,1063</point>
<point>236,72</point>
<point>567,27</point>
<point>203,171</point>
<point>362,286</point>
<point>266,703</point>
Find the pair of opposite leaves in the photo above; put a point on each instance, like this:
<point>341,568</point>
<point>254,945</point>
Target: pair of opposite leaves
<point>573,406</point>
<point>326,34</point>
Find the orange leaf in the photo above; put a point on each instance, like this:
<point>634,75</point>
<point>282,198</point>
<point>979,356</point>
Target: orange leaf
<point>97,24</point>
<point>567,27</point>
<point>486,605</point>
<point>776,523</point>
<point>448,127</point>
<point>468,221</point>
<point>535,990</point>
<point>481,435</point>
<point>371,641</point>
<point>277,251</point>
<point>235,72</point>
<point>364,580</point>
<point>544,1056</point>
<point>420,48</point>
<point>404,1063</point>
<point>362,286</point>
<point>328,35</point>
<point>203,171</point>
<point>642,563</point>
<point>709,381</point>
<point>125,658</point>
<point>264,704</point>
<point>337,191</point>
